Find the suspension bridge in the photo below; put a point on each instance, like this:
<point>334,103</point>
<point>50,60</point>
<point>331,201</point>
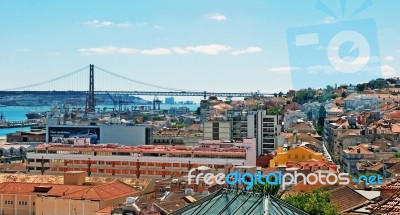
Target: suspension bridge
<point>76,83</point>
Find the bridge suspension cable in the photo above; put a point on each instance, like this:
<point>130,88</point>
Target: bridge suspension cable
<point>48,81</point>
<point>140,82</point>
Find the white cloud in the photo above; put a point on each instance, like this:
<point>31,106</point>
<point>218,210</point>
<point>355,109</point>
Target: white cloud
<point>388,71</point>
<point>328,19</point>
<point>284,69</point>
<point>388,58</point>
<point>157,26</point>
<point>156,51</point>
<point>106,50</point>
<point>216,17</point>
<point>178,50</point>
<point>22,50</point>
<point>248,50</point>
<point>98,23</point>
<point>212,49</point>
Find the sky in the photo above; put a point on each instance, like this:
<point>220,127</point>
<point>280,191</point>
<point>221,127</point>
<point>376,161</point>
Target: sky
<point>224,46</point>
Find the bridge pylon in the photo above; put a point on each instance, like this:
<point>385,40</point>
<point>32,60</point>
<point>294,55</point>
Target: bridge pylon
<point>90,100</point>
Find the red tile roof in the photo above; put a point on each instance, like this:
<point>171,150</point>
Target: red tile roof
<point>313,165</point>
<point>346,199</point>
<point>391,205</point>
<point>355,150</point>
<point>391,185</point>
<point>102,192</point>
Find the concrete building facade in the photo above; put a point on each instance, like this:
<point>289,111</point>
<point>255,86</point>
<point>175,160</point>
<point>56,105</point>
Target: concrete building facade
<point>217,130</point>
<point>265,128</point>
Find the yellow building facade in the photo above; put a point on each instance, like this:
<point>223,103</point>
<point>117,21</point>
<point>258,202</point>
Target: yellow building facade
<point>294,154</point>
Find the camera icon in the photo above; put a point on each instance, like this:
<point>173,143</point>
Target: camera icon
<point>335,53</point>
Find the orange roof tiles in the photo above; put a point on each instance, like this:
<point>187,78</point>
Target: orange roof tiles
<point>390,205</point>
<point>360,149</point>
<point>140,149</point>
<point>347,199</point>
<point>103,192</point>
<point>313,165</point>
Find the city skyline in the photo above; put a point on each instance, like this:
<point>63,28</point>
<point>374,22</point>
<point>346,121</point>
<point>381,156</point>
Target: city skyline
<point>196,46</point>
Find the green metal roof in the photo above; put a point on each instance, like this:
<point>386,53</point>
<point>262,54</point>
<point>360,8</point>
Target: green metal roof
<point>240,202</point>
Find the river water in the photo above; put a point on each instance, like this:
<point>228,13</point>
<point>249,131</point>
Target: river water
<point>13,113</point>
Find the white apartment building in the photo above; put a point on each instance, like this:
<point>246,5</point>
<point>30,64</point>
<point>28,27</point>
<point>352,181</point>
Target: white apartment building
<point>265,128</point>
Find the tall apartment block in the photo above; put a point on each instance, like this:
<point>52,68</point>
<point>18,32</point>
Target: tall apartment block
<point>265,128</point>
<point>238,119</point>
<point>217,130</point>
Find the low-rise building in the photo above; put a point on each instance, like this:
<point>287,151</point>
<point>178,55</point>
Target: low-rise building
<point>139,161</point>
<point>47,198</point>
<point>300,153</point>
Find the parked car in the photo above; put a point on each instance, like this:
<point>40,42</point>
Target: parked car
<point>88,133</point>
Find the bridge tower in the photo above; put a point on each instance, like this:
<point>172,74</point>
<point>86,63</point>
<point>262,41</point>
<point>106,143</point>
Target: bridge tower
<point>90,100</point>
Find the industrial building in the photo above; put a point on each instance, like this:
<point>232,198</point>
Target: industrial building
<point>123,134</point>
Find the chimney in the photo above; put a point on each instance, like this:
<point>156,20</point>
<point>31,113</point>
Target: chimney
<point>358,119</point>
<point>74,177</point>
<point>295,137</point>
<point>374,133</point>
<point>382,134</point>
<point>358,150</point>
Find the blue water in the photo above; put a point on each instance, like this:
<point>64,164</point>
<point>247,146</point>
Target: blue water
<point>13,113</point>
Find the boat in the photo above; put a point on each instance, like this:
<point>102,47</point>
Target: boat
<point>34,115</point>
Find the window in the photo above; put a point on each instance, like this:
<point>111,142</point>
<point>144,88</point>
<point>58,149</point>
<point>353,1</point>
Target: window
<point>22,203</point>
<point>303,156</point>
<point>296,156</point>
<point>8,202</point>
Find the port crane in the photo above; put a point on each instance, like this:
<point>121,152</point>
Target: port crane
<point>118,102</point>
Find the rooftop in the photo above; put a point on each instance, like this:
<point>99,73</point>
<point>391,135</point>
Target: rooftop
<point>137,149</point>
<point>346,199</point>
<point>228,201</point>
<point>102,192</point>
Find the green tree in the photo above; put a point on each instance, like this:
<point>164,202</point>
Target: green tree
<point>316,202</point>
<point>274,111</point>
<point>157,118</point>
<point>272,189</point>
<point>321,119</point>
<point>181,125</point>
<point>397,155</point>
<point>361,87</point>
<point>198,110</point>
